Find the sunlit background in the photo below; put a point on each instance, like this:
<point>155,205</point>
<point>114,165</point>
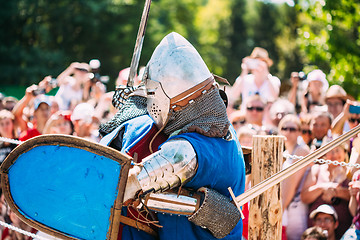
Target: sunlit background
<point>40,38</point>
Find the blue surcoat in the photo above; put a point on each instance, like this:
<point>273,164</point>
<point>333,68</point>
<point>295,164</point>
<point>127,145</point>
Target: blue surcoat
<point>220,165</point>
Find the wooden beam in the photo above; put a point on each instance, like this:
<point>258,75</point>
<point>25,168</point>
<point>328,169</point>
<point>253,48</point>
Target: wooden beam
<point>265,211</point>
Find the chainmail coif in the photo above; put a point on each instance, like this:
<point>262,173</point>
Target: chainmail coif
<point>134,106</point>
<point>206,115</point>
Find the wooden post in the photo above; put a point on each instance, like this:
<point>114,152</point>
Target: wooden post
<point>265,211</point>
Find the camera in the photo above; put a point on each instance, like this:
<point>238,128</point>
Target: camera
<point>302,76</point>
<point>53,83</point>
<point>38,91</point>
<point>94,77</point>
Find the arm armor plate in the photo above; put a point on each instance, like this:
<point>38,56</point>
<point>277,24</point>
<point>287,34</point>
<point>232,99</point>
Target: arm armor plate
<point>206,208</point>
<point>174,164</point>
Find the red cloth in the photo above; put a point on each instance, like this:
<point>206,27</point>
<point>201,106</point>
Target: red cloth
<point>142,149</point>
<point>30,133</point>
<point>245,211</point>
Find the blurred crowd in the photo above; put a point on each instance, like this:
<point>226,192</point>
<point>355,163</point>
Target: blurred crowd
<point>320,201</point>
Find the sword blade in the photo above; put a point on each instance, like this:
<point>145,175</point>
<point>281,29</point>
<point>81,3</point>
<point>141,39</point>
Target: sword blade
<point>287,172</point>
<point>139,43</point>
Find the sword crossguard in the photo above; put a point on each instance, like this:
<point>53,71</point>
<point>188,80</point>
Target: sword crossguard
<point>235,202</point>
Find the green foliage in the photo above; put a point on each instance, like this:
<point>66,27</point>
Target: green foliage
<point>238,37</point>
<point>42,37</point>
<point>329,38</point>
<point>212,25</point>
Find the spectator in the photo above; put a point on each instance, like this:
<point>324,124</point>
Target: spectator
<point>347,116</point>
<point>254,110</point>
<point>82,118</point>
<point>9,103</point>
<point>1,101</point>
<point>59,123</point>
<point>314,233</point>
<point>9,234</point>
<point>295,211</point>
<point>306,134</point>
<point>327,184</point>
<point>315,93</point>
<point>255,78</point>
<point>25,116</point>
<point>320,126</point>
<point>95,88</point>
<point>71,85</point>
<point>326,217</point>
<point>7,130</point>
<point>245,136</point>
<point>335,100</point>
<point>237,119</point>
<point>298,86</point>
<point>280,108</point>
<point>353,119</point>
<point>354,187</point>
<point>123,77</point>
<point>54,105</point>
<point>41,114</point>
<point>104,110</point>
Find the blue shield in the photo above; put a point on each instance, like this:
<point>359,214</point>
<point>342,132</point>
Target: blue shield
<point>66,186</point>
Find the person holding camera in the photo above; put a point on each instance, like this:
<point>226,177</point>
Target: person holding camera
<point>297,87</point>
<point>33,110</point>
<point>315,86</point>
<point>328,184</point>
<point>255,78</point>
<point>95,88</point>
<point>315,92</point>
<point>72,82</point>
<point>351,116</point>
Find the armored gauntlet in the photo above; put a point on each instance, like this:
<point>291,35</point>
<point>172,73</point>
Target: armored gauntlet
<point>174,164</point>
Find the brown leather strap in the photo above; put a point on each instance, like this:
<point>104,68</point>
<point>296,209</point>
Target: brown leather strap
<point>221,79</point>
<point>184,98</point>
<point>140,226</point>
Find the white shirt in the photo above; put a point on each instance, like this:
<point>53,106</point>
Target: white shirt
<point>66,94</point>
<point>250,88</point>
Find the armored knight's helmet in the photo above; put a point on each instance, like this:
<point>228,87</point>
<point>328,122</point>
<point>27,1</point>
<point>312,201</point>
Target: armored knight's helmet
<point>175,75</point>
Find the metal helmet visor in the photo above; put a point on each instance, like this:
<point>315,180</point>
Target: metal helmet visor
<point>174,68</point>
<point>158,103</point>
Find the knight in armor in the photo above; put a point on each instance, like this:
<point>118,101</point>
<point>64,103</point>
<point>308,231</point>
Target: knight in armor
<point>200,152</point>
